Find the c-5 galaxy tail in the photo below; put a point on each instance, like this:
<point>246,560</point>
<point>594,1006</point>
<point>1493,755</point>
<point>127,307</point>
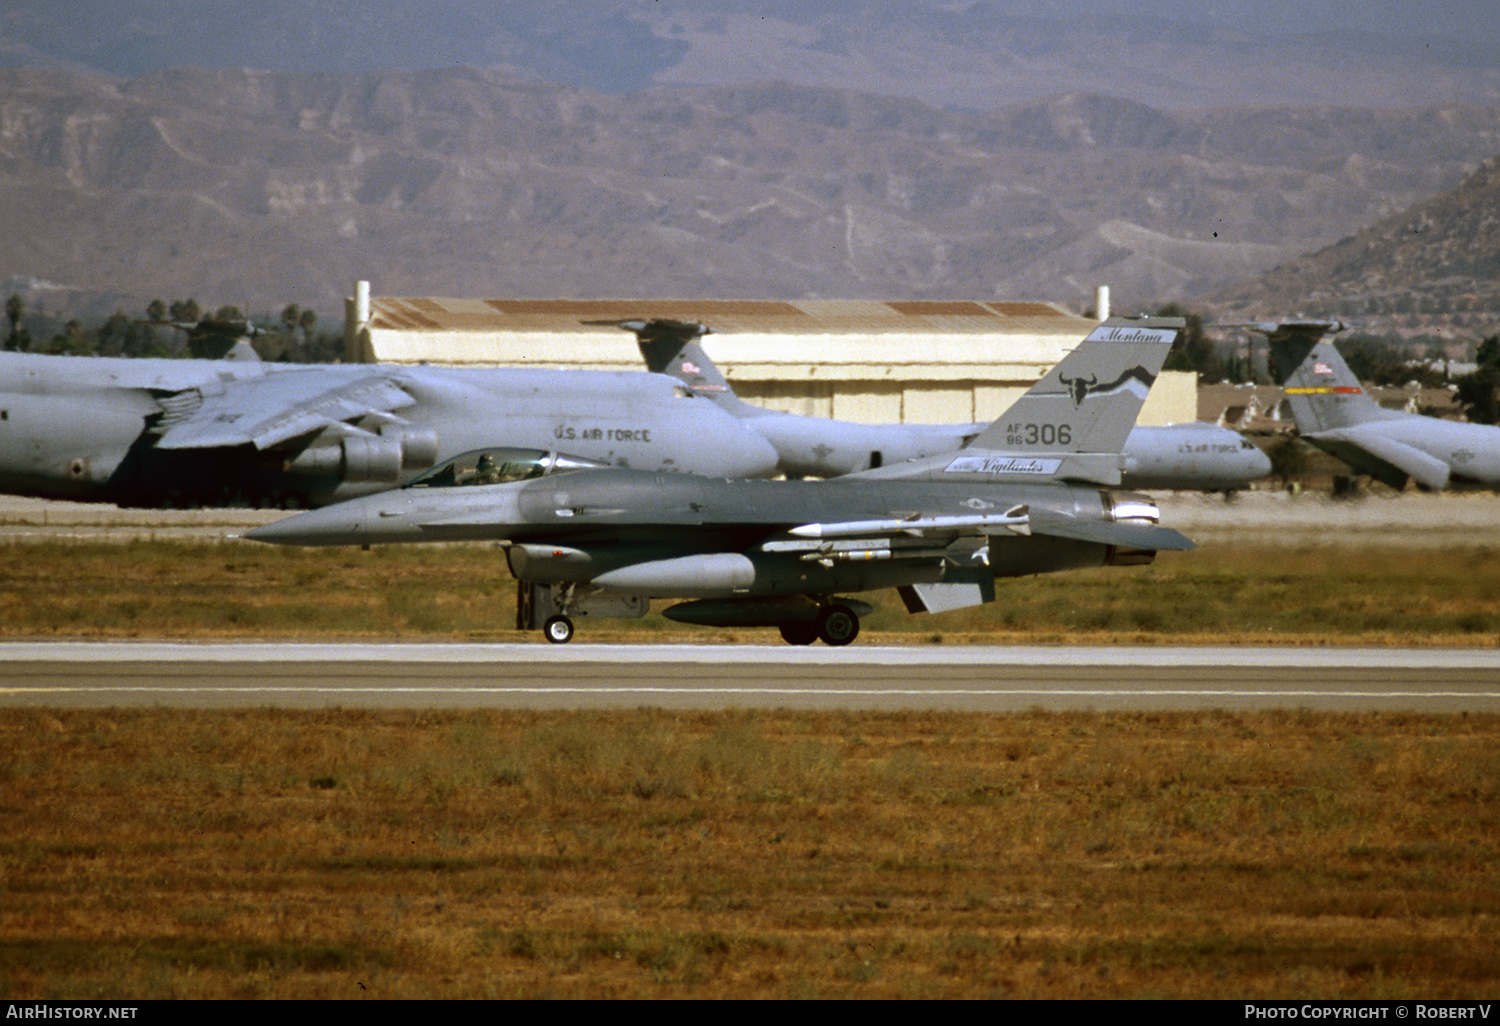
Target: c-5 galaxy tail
<point>1322,391</point>
<point>671,348</point>
<point>1333,412</point>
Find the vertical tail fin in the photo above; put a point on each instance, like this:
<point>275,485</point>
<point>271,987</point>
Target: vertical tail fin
<point>671,347</point>
<point>1075,420</point>
<point>1323,392</point>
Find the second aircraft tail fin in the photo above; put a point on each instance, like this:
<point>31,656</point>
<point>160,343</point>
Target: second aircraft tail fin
<point>1074,422</point>
<point>1322,391</point>
<point>671,347</point>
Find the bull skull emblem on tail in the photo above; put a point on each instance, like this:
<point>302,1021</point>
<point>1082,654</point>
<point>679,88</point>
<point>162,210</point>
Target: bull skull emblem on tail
<point>1136,379</point>
<point>1078,387</point>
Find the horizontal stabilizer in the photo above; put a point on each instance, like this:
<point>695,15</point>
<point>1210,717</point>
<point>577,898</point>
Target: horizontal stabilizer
<point>1384,458</point>
<point>941,597</point>
<point>1103,532</point>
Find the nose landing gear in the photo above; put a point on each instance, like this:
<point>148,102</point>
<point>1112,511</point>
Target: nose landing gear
<point>558,630</point>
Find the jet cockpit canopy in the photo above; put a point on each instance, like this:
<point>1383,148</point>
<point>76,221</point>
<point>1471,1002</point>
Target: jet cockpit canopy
<point>500,465</point>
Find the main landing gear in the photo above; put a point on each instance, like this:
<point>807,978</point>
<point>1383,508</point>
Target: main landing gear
<point>835,625</point>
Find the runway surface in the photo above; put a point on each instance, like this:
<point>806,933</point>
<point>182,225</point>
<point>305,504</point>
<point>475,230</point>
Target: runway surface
<point>992,679</point>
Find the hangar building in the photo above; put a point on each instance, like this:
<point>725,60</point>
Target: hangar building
<point>861,360</point>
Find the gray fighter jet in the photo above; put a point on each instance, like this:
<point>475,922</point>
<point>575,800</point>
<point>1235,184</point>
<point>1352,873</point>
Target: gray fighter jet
<point>144,432</point>
<point>1029,495</point>
<point>1333,413</point>
<point>1178,457</point>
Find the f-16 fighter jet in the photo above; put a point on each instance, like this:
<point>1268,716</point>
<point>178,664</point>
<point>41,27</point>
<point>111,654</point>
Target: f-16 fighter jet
<point>1031,494</point>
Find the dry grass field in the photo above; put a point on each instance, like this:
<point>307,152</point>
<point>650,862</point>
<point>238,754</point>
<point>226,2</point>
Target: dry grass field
<point>157,854</point>
<point>1221,593</point>
<point>353,854</point>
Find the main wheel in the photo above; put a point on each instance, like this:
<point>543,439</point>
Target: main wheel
<point>799,632</point>
<point>558,629</point>
<point>838,625</point>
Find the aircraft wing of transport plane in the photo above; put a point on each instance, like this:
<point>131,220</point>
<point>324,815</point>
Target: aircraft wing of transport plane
<point>1186,457</point>
<point>1031,494</point>
<point>1333,412</point>
<point>155,432</point>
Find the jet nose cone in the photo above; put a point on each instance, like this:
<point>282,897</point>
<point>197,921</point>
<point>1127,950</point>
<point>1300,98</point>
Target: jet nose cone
<point>334,525</point>
<point>1260,464</point>
<point>747,454</point>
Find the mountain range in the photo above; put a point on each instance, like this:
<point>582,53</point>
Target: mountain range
<point>265,188</point>
<point>1433,268</point>
<point>763,149</point>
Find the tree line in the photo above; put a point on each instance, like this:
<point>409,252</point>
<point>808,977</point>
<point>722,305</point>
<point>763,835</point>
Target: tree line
<point>1374,360</point>
<point>182,328</point>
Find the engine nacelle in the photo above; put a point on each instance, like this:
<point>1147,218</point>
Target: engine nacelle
<point>371,458</point>
<point>419,445</point>
<point>379,458</point>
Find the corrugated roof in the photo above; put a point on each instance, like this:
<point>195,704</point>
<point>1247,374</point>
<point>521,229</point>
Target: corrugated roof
<point>729,316</point>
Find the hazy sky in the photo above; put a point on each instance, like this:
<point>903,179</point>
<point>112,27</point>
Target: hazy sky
<point>624,45</point>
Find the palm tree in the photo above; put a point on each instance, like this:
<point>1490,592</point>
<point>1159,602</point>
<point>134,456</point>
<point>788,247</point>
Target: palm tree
<point>15,308</point>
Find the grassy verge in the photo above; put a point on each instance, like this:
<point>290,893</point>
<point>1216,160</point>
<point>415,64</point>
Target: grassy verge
<point>160,854</point>
<point>1218,594</point>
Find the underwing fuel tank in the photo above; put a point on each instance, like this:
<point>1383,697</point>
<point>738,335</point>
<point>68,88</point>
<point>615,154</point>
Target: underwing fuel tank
<point>714,573</point>
<point>764,612</point>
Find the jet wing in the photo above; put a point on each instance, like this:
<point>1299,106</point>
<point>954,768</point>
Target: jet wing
<point>272,409</point>
<point>1382,457</point>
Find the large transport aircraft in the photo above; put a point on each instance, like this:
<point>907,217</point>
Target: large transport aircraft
<point>1032,493</point>
<point>1334,413</point>
<point>1185,457</point>
<point>239,432</point>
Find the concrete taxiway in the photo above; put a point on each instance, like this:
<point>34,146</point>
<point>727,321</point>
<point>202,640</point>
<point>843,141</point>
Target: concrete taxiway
<point>990,679</point>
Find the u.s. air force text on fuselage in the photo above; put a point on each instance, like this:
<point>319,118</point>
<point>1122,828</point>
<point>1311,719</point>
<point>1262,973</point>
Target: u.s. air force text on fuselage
<point>573,433</point>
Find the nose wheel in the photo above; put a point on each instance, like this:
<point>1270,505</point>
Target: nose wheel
<point>558,630</point>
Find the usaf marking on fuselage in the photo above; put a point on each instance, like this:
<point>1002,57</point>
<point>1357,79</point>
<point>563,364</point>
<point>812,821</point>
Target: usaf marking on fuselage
<point>777,553</point>
<point>1188,457</point>
<point>1334,413</point>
